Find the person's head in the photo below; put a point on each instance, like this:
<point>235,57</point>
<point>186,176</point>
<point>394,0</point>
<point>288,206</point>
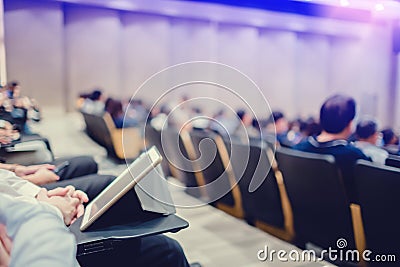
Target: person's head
<point>337,114</point>
<point>367,130</point>
<point>96,95</point>
<point>240,113</point>
<point>245,117</point>
<point>388,137</point>
<point>12,87</point>
<point>281,123</point>
<point>6,132</point>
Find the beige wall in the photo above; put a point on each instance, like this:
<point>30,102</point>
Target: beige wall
<point>119,50</point>
<point>34,48</point>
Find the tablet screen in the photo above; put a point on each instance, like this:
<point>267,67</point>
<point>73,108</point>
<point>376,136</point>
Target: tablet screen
<point>121,185</point>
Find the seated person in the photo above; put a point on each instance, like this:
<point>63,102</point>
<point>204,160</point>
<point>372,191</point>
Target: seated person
<point>336,118</point>
<point>279,125</point>
<point>18,109</point>
<point>29,149</point>
<point>34,225</point>
<point>94,103</point>
<point>367,140</point>
<point>390,141</point>
<point>159,117</point>
<point>30,234</point>
<point>245,129</point>
<point>81,172</point>
<point>115,108</point>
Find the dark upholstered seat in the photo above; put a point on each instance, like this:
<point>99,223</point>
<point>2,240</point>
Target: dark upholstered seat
<point>378,189</point>
<point>321,211</point>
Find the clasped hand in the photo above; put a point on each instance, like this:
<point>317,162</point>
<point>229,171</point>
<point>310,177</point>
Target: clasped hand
<point>68,200</point>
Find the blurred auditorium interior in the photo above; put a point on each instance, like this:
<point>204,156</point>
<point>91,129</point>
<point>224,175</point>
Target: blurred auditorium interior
<point>294,53</point>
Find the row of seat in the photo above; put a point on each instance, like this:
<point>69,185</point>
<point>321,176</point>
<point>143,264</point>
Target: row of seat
<point>297,196</point>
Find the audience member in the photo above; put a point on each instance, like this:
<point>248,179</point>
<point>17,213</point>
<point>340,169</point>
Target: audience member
<point>30,234</point>
<point>310,127</point>
<point>114,108</point>
<point>94,103</point>
<point>367,140</point>
<point>17,148</point>
<point>278,125</point>
<point>245,129</point>
<point>159,117</point>
<point>148,251</point>
<point>390,141</point>
<point>199,121</point>
<point>80,173</point>
<point>18,109</point>
<point>136,111</point>
<point>336,118</point>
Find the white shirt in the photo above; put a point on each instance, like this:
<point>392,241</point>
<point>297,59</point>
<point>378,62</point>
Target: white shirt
<point>377,154</point>
<point>39,235</point>
<point>16,186</point>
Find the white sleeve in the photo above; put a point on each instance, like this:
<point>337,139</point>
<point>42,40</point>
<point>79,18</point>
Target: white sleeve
<point>19,185</point>
<point>39,235</point>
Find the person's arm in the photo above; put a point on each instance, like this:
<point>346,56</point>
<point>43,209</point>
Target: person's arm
<point>70,205</point>
<point>21,170</point>
<point>37,174</point>
<point>38,234</point>
<point>42,176</point>
<point>16,185</point>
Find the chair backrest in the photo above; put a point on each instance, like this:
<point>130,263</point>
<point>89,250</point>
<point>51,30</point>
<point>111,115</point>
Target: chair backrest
<point>393,161</point>
<point>321,211</point>
<point>177,155</point>
<point>97,129</point>
<point>210,163</point>
<point>378,189</point>
<point>153,138</point>
<point>251,162</point>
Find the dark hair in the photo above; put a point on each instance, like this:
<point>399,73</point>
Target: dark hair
<point>13,84</point>
<point>336,113</point>
<point>95,95</point>
<point>366,129</point>
<point>256,124</point>
<point>240,113</point>
<point>275,116</point>
<point>310,127</point>
<point>114,107</point>
<point>107,103</point>
<point>387,135</point>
